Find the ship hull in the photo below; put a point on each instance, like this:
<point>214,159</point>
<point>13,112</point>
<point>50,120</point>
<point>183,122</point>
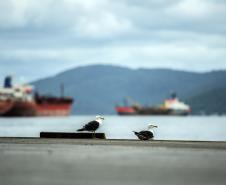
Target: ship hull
<point>19,108</point>
<point>150,111</point>
<point>5,106</point>
<point>32,108</point>
<point>53,110</point>
<point>125,111</point>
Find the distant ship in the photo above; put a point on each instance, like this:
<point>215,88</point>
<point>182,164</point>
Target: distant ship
<point>22,101</point>
<point>171,106</point>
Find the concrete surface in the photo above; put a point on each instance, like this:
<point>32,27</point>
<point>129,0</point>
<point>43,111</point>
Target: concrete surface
<point>113,162</point>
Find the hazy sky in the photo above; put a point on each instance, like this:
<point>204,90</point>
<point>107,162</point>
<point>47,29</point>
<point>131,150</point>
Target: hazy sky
<point>42,37</point>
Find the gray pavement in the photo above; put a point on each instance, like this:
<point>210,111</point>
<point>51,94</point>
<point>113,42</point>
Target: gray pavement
<point>93,162</point>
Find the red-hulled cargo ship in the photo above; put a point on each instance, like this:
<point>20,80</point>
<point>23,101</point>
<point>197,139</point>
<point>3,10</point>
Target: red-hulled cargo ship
<point>20,101</point>
<point>171,106</point>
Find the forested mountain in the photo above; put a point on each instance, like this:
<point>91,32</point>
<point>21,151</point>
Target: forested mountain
<point>96,89</point>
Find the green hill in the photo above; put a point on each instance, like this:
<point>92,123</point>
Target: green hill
<point>210,102</point>
<point>96,89</point>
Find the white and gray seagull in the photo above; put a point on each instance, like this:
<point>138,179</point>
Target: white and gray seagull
<point>92,126</point>
<point>146,134</point>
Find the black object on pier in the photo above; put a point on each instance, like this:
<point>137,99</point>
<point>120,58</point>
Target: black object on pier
<point>77,135</point>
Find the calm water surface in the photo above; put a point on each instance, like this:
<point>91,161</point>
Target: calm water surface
<point>209,128</point>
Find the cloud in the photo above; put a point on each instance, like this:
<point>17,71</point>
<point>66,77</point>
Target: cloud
<point>81,18</point>
<point>182,34</point>
<point>199,8</point>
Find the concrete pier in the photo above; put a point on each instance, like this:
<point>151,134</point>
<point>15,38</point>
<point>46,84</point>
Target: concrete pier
<point>36,161</point>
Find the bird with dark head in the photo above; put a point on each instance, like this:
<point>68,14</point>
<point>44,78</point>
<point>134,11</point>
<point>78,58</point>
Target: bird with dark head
<point>146,134</point>
<point>92,126</point>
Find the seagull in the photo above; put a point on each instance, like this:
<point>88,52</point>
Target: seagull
<point>146,134</point>
<point>92,126</point>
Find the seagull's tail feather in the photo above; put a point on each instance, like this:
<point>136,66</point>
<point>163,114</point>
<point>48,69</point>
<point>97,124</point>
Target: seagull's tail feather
<point>136,133</point>
<point>81,129</point>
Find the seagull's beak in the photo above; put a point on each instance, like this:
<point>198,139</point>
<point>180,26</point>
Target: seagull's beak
<point>156,126</point>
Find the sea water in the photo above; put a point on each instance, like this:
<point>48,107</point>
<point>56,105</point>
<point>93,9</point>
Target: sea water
<point>204,128</point>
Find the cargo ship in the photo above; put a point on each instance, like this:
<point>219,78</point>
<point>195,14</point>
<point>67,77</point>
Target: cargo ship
<point>16,101</point>
<point>171,106</point>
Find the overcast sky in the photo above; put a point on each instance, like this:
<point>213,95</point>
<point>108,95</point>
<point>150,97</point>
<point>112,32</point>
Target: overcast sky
<point>39,38</point>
